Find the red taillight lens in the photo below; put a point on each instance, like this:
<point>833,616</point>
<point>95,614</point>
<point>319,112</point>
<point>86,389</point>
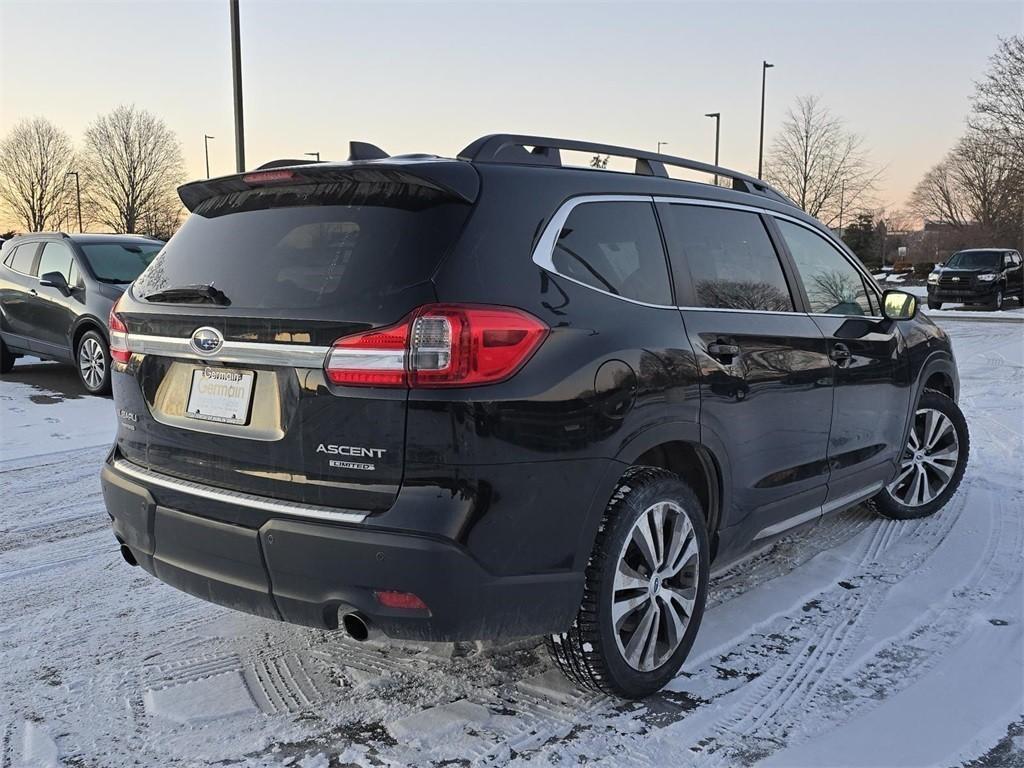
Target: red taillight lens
<point>373,359</point>
<point>268,177</point>
<point>439,345</point>
<point>118,336</point>
<point>402,600</point>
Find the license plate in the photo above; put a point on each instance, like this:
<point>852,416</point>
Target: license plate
<point>220,394</point>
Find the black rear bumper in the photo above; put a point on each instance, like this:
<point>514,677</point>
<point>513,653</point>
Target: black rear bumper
<point>309,573</point>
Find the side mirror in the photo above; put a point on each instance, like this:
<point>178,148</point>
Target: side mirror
<point>56,280</point>
<point>899,305</point>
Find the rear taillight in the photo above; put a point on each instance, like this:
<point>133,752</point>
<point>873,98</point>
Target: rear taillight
<point>118,336</point>
<point>439,345</point>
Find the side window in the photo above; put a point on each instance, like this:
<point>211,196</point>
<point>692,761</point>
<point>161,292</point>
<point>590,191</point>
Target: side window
<point>23,257</point>
<point>833,285</point>
<point>615,247</point>
<point>731,259</point>
<point>56,257</point>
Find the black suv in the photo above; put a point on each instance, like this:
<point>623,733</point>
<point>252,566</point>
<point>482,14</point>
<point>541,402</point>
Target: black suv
<point>56,291</point>
<point>977,276</point>
<point>495,396</point>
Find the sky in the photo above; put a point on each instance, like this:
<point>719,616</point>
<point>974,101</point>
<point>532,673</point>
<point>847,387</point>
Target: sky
<point>432,76</point>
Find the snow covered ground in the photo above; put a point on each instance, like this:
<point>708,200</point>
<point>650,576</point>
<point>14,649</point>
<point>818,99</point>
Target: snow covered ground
<point>859,642</point>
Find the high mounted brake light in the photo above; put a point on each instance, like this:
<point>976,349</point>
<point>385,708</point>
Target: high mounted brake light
<point>268,177</point>
<point>438,345</point>
<point>118,336</point>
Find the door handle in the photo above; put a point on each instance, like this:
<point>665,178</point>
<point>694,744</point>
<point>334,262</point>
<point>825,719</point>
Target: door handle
<point>722,351</point>
<point>840,354</point>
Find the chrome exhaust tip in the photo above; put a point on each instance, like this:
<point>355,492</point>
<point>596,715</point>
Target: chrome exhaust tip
<point>357,627</point>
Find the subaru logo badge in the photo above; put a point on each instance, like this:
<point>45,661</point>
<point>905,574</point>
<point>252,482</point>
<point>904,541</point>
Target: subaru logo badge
<point>206,340</point>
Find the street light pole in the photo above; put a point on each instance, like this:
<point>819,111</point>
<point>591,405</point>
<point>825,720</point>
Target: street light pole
<point>313,154</point>
<point>718,124</point>
<point>842,200</point>
<point>765,66</point>
<point>236,77</point>
<point>661,144</point>
<point>78,197</point>
<point>206,147</point>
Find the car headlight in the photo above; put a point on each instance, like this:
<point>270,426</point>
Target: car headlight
<point>933,277</point>
<point>987,278</point>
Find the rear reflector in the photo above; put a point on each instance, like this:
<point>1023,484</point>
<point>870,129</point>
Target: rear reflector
<point>118,336</point>
<point>439,345</point>
<point>402,600</point>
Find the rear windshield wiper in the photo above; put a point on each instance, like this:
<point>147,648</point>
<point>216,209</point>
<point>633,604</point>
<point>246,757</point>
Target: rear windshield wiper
<point>190,294</point>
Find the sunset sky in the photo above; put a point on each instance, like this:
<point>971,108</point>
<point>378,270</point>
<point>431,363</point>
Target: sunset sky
<point>429,76</point>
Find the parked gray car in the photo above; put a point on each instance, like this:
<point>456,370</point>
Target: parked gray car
<point>56,292</point>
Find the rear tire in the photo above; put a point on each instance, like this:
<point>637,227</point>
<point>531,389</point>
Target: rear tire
<point>933,461</point>
<point>92,361</point>
<point>6,358</point>
<point>645,589</point>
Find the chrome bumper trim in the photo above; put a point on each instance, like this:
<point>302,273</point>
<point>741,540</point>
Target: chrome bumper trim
<point>275,506</point>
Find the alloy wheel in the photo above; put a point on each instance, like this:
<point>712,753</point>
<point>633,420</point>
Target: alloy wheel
<point>655,586</point>
<point>929,460</point>
<point>92,363</point>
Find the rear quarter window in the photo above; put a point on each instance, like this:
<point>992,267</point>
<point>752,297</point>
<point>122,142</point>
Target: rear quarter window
<point>614,247</point>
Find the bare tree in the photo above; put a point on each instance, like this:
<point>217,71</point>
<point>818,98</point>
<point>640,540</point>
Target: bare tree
<point>973,185</point>
<point>821,165</point>
<point>599,162</point>
<point>999,98</point>
<point>133,161</point>
<point>35,158</point>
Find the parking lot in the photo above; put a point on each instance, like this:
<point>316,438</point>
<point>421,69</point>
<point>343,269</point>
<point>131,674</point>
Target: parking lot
<point>841,645</point>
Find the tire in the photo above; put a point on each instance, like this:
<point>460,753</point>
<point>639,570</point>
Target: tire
<point>6,358</point>
<point>997,301</point>
<point>934,304</point>
<point>92,361</point>
<point>901,499</point>
<point>592,653</point>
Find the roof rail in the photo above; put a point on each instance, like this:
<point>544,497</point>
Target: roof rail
<point>512,148</point>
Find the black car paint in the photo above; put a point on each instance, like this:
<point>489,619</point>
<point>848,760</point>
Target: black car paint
<point>491,512</point>
<point>43,321</point>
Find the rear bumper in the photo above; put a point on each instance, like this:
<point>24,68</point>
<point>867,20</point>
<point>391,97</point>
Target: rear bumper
<point>309,572</point>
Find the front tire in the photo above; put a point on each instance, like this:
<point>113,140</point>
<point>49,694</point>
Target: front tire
<point>6,358</point>
<point>934,304</point>
<point>93,363</point>
<point>933,461</point>
<point>997,301</point>
<point>645,589</point>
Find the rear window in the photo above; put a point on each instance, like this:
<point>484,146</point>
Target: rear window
<point>309,246</point>
<point>23,257</point>
<point>119,262</point>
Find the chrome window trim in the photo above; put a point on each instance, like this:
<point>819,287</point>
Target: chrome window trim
<point>276,506</point>
<point>709,203</point>
<point>246,352</point>
<point>543,253</point>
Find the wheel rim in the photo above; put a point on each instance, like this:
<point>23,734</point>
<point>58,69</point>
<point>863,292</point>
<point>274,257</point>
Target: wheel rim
<point>929,460</point>
<point>91,363</point>
<point>655,587</point>
<point>999,300</point>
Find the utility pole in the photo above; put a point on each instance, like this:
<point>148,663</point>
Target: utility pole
<point>313,154</point>
<point>718,124</point>
<point>206,146</point>
<point>842,197</point>
<point>765,66</point>
<point>236,77</point>
<point>661,144</point>
<point>78,197</point>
